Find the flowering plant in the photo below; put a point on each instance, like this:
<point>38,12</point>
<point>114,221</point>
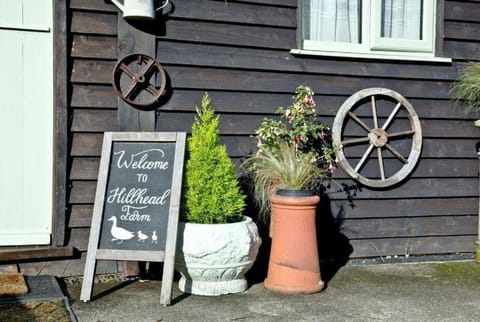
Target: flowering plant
<point>299,127</point>
<point>294,152</point>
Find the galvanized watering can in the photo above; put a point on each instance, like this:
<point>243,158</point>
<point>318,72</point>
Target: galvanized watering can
<point>138,9</point>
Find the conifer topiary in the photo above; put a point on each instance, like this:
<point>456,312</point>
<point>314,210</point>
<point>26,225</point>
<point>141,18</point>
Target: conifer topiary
<point>211,189</point>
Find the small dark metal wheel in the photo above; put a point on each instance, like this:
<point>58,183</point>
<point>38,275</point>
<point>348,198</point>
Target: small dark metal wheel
<point>390,127</point>
<point>134,79</point>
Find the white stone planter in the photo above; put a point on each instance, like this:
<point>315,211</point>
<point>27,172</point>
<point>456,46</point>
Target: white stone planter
<point>213,258</point>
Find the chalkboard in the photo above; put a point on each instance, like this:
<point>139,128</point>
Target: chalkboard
<point>137,199</point>
<point>135,215</point>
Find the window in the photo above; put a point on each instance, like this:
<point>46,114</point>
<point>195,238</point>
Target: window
<point>369,27</point>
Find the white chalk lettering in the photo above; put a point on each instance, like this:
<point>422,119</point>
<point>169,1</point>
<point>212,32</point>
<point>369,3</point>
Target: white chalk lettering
<point>141,160</point>
<point>136,196</point>
<point>132,213</point>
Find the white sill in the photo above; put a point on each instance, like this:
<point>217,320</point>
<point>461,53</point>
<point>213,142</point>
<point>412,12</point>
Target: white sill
<point>372,56</point>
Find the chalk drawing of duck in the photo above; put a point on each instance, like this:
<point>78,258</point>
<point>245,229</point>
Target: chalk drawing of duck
<point>141,236</point>
<point>154,237</point>
<point>119,233</point>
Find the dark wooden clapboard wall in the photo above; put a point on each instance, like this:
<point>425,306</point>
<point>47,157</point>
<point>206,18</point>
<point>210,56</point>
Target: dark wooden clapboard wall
<point>238,52</point>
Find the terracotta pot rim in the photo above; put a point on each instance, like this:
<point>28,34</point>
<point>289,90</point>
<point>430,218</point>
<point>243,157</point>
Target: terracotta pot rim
<point>294,192</point>
<point>294,200</point>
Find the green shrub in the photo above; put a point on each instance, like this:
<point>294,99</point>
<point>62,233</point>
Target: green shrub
<point>211,190</point>
<point>465,91</point>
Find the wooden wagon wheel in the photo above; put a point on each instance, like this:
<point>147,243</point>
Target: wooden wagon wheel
<point>134,78</point>
<point>376,136</point>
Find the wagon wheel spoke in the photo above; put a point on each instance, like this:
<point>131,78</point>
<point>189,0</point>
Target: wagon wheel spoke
<point>401,134</point>
<point>396,153</point>
<point>359,122</point>
<point>364,158</point>
<point>355,141</point>
<point>374,112</point>
<point>380,163</point>
<point>391,116</point>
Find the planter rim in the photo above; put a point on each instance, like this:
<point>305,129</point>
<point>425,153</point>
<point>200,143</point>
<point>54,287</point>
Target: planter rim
<point>245,219</point>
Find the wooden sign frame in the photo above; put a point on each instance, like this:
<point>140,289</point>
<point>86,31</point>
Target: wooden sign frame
<point>95,252</point>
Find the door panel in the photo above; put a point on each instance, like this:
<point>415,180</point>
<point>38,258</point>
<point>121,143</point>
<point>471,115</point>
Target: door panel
<point>26,123</point>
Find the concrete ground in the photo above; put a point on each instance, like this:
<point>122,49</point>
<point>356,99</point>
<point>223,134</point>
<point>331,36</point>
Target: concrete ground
<point>447,291</point>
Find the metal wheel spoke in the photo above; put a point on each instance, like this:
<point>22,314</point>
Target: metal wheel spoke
<point>396,153</point>
<point>131,90</point>
<point>364,157</point>
<point>152,90</point>
<point>355,141</point>
<point>126,70</point>
<point>380,163</point>
<point>359,122</point>
<point>391,116</point>
<point>147,68</point>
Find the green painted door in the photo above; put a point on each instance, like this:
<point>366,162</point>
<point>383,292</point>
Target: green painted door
<point>26,122</point>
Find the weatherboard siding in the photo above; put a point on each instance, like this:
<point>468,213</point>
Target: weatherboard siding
<point>239,52</point>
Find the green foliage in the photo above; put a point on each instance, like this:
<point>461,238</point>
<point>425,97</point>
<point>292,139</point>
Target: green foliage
<point>281,168</point>
<point>466,88</point>
<point>211,190</point>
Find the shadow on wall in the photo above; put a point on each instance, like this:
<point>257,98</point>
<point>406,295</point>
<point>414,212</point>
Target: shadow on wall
<point>259,270</point>
<point>333,247</point>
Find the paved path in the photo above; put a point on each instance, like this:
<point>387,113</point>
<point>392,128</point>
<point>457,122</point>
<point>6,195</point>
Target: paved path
<point>387,292</point>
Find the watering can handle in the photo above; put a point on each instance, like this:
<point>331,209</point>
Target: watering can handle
<point>162,6</point>
<point>119,5</point>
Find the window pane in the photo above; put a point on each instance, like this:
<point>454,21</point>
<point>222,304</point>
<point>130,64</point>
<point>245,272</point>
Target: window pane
<point>332,20</point>
<point>402,19</point>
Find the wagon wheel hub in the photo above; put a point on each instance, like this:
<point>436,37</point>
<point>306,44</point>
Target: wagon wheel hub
<point>378,137</point>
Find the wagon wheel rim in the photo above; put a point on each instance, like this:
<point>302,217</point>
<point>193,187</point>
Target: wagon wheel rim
<point>130,82</point>
<point>377,137</point>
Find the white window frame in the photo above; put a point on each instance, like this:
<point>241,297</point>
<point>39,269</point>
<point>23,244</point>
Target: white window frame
<point>425,45</point>
<point>375,46</point>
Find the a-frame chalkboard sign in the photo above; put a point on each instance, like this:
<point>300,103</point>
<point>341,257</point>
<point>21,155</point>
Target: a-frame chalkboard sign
<point>137,202</point>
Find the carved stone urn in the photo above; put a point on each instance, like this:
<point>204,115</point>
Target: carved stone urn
<point>213,258</point>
